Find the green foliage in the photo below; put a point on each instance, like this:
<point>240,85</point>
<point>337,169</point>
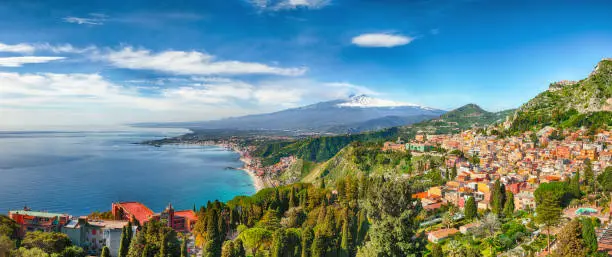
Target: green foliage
<point>509,205</point>
<point>317,149</point>
<point>471,210</point>
<point>570,241</point>
<point>8,227</point>
<point>155,239</point>
<point>588,236</point>
<point>32,252</point>
<point>498,198</point>
<point>393,212</point>
<point>436,251</point>
<point>126,238</point>
<point>50,242</point>
<point>256,238</point>
<point>605,179</point>
<point>106,252</point>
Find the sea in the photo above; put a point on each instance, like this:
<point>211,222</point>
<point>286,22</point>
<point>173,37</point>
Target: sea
<point>78,172</point>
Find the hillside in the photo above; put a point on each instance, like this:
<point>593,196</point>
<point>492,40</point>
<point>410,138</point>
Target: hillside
<point>570,104</point>
<point>462,118</point>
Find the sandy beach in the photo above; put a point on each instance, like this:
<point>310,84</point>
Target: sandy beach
<point>258,181</point>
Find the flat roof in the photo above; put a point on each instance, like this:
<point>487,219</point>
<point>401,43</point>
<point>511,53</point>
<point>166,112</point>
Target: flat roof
<point>139,210</point>
<point>38,214</point>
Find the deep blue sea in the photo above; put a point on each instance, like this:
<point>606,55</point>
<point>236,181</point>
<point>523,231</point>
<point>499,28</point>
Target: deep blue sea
<point>81,172</point>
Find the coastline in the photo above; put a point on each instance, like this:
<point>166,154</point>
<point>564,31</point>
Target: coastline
<point>258,182</point>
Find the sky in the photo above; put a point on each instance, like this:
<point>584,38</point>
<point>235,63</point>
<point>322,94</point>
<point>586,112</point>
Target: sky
<point>74,62</point>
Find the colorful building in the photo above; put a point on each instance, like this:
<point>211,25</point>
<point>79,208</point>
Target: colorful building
<point>93,235</point>
<point>132,211</point>
<point>30,221</point>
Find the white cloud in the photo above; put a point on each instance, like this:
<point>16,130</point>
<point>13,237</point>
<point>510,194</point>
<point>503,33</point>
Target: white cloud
<point>18,48</point>
<point>20,60</point>
<point>277,5</point>
<point>188,63</point>
<point>65,48</point>
<point>381,40</point>
<point>93,19</point>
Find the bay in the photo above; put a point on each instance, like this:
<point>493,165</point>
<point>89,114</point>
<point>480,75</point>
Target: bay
<point>81,172</point>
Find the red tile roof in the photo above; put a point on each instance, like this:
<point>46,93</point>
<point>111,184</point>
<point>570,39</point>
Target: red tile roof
<point>187,214</point>
<point>139,210</point>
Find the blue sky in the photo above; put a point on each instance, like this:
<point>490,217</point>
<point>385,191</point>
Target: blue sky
<point>109,62</point>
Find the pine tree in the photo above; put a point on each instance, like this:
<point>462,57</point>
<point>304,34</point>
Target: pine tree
<point>509,206</point>
<point>105,252</point>
<point>589,236</point>
<point>548,211</point>
<point>471,210</point>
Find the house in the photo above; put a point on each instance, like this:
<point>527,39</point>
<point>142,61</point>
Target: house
<point>469,228</point>
<point>524,200</point>
<point>30,221</point>
<point>441,234</point>
<point>93,235</point>
<point>179,220</point>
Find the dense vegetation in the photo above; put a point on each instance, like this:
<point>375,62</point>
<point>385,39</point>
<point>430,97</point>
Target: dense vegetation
<point>583,103</point>
<point>365,217</point>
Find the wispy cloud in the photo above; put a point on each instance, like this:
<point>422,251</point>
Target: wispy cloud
<point>188,63</point>
<point>381,40</point>
<point>18,48</point>
<point>21,60</point>
<point>92,19</point>
<point>277,5</point>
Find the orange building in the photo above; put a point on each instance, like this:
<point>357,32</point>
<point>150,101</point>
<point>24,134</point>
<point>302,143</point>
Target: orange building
<point>30,221</point>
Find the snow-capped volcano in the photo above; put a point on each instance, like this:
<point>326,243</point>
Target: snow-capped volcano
<point>367,101</point>
<point>354,114</point>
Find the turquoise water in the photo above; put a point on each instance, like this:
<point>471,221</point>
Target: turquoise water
<point>81,172</point>
<point>582,211</point>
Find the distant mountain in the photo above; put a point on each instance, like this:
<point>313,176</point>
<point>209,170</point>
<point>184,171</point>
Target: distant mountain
<point>462,118</point>
<point>355,114</point>
<point>570,104</point>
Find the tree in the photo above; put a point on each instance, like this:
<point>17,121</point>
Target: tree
<point>73,251</point>
<point>6,244</point>
<point>279,243</point>
<point>498,198</point>
<point>25,252</point>
<point>589,175</point>
<point>509,206</point>
<point>228,249</point>
<point>589,236</point>
<point>124,244</point>
<point>575,185</point>
<point>255,238</point>
<point>436,251</point>
<point>346,243</point>
<point>240,252</point>
<point>105,252</point>
<point>394,228</point>
<point>569,241</point>
<point>213,235</point>
<point>307,238</point>
<point>605,179</point>
<point>471,210</point>
<point>50,242</point>
<point>184,250</point>
<point>548,211</point>
<point>454,172</point>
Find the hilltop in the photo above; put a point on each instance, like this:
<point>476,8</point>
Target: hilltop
<point>569,104</point>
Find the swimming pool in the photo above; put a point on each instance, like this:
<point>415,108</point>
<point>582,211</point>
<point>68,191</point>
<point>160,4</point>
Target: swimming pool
<point>585,211</point>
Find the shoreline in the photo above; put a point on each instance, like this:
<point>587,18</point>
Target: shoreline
<point>258,182</point>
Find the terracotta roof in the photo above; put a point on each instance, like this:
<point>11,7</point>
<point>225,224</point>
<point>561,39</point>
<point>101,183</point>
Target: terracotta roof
<point>444,233</point>
<point>187,214</point>
<point>139,210</point>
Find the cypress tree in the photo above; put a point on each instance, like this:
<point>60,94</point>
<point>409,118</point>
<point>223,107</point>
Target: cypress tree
<point>184,251</point>
<point>589,236</point>
<point>213,244</point>
<point>346,248</point>
<point>575,185</point>
<point>498,197</point>
<point>292,199</point>
<point>436,251</point>
<point>105,252</point>
<point>509,206</point>
<point>279,242</point>
<point>124,244</point>
<point>471,210</point>
<point>307,238</point>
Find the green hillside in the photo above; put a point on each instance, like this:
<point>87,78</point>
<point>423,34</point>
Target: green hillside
<point>570,104</point>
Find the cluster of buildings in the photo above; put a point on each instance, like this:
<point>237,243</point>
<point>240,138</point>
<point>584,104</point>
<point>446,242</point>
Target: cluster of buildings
<point>93,234</point>
<point>521,163</point>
